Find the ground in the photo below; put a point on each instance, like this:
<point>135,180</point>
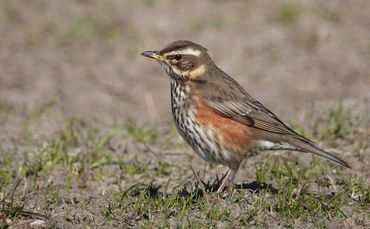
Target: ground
<point>86,136</point>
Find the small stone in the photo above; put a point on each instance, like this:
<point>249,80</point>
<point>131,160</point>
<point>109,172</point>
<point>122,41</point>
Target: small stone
<point>38,224</point>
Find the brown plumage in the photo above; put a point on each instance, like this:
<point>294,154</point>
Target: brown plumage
<point>217,117</point>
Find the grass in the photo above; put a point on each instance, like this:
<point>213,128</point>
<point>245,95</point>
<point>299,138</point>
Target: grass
<point>122,176</point>
<point>291,12</point>
<point>294,200</point>
<point>106,29</point>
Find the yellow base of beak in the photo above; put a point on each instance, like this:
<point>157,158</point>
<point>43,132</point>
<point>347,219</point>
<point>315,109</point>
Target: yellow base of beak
<point>153,54</point>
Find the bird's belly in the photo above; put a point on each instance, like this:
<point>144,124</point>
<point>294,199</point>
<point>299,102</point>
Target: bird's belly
<point>205,140</point>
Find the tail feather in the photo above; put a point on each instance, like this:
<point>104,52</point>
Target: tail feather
<point>311,148</point>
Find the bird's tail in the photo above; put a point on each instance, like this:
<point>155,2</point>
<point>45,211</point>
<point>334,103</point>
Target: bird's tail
<point>309,147</point>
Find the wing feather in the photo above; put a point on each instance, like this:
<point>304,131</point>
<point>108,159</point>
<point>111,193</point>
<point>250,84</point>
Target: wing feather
<point>249,112</point>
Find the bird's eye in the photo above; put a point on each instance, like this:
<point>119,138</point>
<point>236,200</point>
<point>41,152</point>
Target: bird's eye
<point>177,57</point>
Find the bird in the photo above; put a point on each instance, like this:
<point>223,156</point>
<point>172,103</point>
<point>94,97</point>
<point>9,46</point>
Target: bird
<point>217,117</point>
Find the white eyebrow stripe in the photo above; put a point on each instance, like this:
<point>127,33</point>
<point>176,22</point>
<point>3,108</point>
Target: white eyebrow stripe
<point>188,51</point>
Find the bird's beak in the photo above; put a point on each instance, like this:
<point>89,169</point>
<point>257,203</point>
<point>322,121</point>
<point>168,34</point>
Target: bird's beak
<point>153,54</point>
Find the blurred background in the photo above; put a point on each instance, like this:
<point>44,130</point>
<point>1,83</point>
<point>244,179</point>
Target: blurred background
<point>83,56</point>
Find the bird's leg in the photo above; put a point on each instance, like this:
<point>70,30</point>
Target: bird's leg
<point>224,181</point>
<point>228,179</point>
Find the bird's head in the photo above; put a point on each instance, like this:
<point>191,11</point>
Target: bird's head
<point>183,60</point>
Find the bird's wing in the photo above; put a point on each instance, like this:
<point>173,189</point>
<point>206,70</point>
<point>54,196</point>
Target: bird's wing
<point>248,113</point>
<point>238,105</point>
<point>253,113</point>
